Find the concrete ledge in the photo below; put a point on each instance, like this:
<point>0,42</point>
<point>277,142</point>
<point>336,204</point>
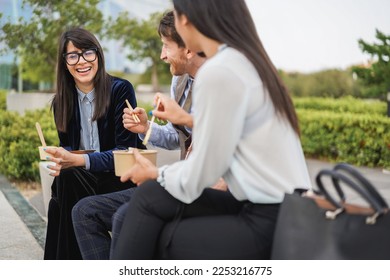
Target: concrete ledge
<point>27,214</point>
<point>16,243</point>
<point>21,102</point>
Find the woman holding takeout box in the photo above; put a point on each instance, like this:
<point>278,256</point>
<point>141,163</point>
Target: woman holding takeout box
<point>245,131</point>
<point>88,107</point>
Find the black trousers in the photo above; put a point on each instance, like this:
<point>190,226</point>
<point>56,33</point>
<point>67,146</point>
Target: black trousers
<point>67,189</point>
<point>215,226</point>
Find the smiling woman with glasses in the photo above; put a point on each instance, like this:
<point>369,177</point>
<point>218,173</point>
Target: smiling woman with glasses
<point>88,107</point>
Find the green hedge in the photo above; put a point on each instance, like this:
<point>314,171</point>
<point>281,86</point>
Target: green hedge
<point>341,105</point>
<point>3,100</point>
<point>149,108</point>
<point>19,143</point>
<point>359,139</point>
<point>328,132</point>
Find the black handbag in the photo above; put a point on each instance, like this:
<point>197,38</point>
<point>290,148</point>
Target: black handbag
<point>316,225</point>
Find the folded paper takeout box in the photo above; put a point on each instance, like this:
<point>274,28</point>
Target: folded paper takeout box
<point>124,159</point>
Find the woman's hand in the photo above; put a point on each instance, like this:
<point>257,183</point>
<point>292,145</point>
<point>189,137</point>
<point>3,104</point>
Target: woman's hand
<point>63,159</point>
<point>132,125</point>
<point>220,185</point>
<point>142,170</point>
<point>170,110</point>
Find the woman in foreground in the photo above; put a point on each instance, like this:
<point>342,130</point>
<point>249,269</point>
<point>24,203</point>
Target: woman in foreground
<point>245,131</point>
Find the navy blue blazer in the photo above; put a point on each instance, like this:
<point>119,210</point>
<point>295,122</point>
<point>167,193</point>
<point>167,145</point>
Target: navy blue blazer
<point>112,134</point>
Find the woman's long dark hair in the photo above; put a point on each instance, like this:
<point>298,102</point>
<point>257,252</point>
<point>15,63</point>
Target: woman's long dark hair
<point>230,22</point>
<point>63,102</point>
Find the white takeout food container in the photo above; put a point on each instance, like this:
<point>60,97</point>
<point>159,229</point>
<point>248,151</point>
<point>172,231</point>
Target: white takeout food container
<point>124,159</point>
<point>43,154</point>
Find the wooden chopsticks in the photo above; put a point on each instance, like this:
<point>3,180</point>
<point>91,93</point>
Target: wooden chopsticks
<point>149,132</point>
<point>40,134</point>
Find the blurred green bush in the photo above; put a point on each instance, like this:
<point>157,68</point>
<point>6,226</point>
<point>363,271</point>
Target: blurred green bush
<point>356,138</point>
<point>19,141</point>
<point>341,105</point>
<point>345,129</point>
<point>3,100</point>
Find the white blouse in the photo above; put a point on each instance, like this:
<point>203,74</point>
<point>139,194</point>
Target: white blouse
<point>237,136</point>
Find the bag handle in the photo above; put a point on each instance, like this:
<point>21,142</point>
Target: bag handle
<point>365,183</point>
<point>336,177</point>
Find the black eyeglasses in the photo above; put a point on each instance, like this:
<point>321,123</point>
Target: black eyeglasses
<point>73,58</point>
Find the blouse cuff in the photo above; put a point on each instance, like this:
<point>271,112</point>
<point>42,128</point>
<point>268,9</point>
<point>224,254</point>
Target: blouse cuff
<point>160,178</point>
<point>87,162</point>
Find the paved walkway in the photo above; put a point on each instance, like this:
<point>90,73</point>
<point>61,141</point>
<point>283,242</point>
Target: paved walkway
<point>22,229</point>
<point>23,223</point>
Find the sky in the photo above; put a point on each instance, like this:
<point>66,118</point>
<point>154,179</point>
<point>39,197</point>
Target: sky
<point>307,35</point>
<point>311,35</point>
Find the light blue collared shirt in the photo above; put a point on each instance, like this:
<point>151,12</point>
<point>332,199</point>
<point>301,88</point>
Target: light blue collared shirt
<point>89,134</point>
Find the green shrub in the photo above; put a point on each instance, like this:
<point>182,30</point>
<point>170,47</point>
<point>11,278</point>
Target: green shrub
<point>149,108</point>
<point>333,83</point>
<point>3,100</point>
<point>19,142</point>
<point>341,105</point>
<point>347,130</point>
<point>359,139</point>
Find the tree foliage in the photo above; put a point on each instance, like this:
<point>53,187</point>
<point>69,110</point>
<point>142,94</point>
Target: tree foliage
<point>376,77</point>
<point>36,40</point>
<point>141,37</point>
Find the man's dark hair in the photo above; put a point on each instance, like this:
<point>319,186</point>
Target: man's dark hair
<point>167,29</point>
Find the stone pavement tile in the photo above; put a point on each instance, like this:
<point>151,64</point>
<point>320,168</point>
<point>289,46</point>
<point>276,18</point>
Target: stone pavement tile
<point>16,240</point>
<point>22,230</point>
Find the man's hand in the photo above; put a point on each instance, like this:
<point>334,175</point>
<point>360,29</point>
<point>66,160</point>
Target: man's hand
<point>171,111</point>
